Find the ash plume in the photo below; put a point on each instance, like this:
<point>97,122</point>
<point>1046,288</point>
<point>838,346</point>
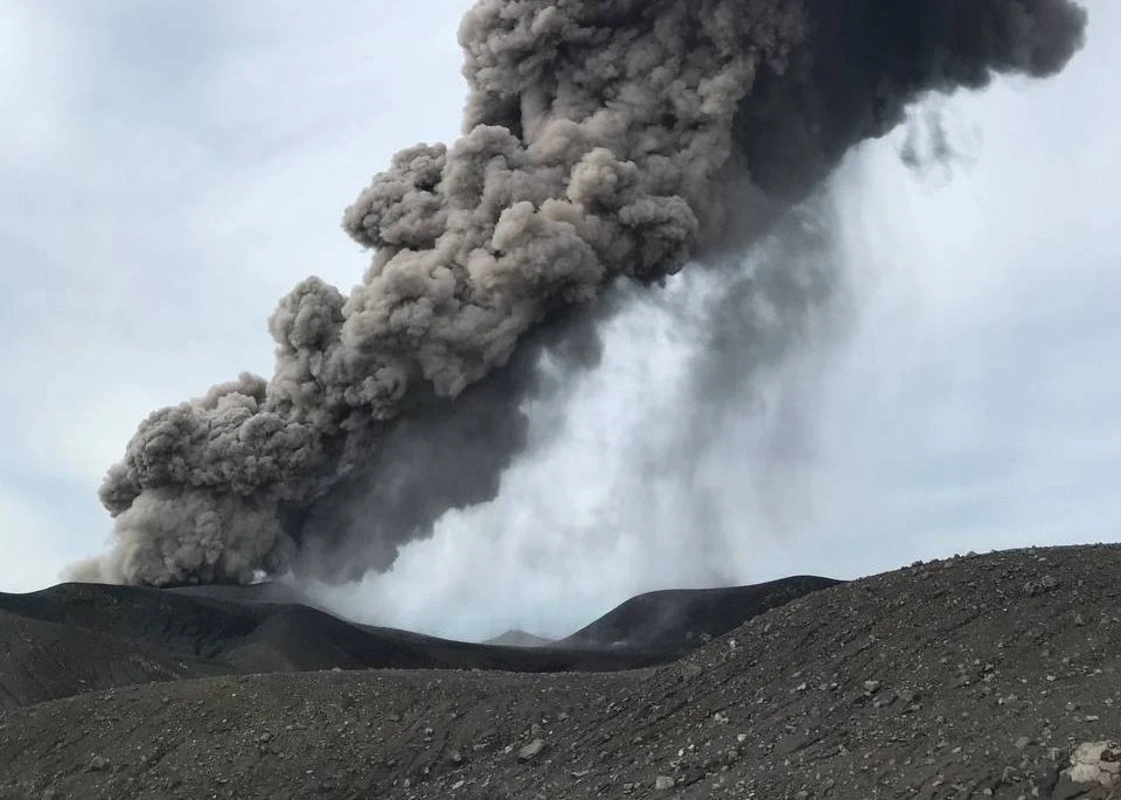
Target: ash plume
<point>783,304</point>
<point>604,140</point>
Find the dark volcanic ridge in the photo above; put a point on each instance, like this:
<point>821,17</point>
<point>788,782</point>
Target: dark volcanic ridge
<point>79,637</point>
<point>674,621</point>
<point>263,592</point>
<point>677,620</point>
<point>968,678</point>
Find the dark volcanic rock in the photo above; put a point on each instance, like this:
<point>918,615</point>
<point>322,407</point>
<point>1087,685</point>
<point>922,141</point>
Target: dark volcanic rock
<point>77,637</point>
<point>184,626</point>
<point>45,661</point>
<point>944,680</point>
<point>678,620</point>
<point>264,592</point>
<point>86,636</point>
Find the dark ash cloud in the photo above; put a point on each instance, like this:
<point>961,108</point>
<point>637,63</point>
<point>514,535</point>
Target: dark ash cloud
<point>603,141</point>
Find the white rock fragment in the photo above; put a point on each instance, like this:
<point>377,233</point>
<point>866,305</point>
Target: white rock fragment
<point>1096,763</point>
<point>531,750</point>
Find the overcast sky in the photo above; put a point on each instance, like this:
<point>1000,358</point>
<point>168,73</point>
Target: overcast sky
<point>170,170</point>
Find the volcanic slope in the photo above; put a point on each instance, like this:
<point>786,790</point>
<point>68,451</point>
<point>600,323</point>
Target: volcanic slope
<point>78,637</point>
<point>42,660</point>
<point>974,677</point>
<point>677,620</point>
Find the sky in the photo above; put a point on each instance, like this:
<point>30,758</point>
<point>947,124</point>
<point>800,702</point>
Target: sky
<point>172,170</point>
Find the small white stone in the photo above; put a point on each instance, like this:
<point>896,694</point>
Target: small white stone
<point>1096,762</point>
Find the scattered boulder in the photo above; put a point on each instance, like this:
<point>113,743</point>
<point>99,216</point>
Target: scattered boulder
<point>531,750</point>
<point>1096,764</point>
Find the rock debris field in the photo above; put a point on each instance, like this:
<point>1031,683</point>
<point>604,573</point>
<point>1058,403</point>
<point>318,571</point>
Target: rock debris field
<point>981,676</point>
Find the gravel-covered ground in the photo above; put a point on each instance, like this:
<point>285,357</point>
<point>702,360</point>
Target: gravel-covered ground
<point>74,637</point>
<point>974,677</point>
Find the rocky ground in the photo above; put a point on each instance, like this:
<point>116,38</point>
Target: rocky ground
<point>969,678</point>
<point>676,620</point>
<point>75,638</point>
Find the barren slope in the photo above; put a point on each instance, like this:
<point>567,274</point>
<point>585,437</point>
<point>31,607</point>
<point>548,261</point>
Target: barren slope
<point>76,637</point>
<point>967,678</point>
<point>676,620</point>
<point>44,661</point>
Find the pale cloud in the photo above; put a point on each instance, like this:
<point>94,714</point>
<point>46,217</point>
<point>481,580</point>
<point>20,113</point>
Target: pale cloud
<point>193,167</point>
<point>36,80</point>
<point>37,553</point>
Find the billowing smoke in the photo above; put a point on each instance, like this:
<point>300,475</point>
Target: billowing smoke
<point>605,140</point>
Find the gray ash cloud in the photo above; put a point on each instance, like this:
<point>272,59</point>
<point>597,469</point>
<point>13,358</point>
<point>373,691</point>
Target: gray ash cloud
<point>603,141</point>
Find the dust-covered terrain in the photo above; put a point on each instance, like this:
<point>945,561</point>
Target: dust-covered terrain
<point>75,638</point>
<point>673,620</point>
<point>972,677</point>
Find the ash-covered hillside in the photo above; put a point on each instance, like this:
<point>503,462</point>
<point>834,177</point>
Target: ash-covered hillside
<point>76,638</point>
<point>968,678</point>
